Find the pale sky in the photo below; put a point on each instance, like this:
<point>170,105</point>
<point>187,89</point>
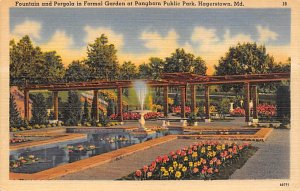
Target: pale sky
<point>139,34</point>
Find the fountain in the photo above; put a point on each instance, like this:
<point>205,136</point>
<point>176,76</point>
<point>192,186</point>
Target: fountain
<point>141,91</point>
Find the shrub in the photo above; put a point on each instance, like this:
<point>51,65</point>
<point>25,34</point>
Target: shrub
<point>192,119</point>
<point>39,109</point>
<point>99,125</point>
<point>22,128</point>
<point>14,115</point>
<point>48,126</point>
<point>29,127</point>
<point>42,126</point>
<point>36,126</point>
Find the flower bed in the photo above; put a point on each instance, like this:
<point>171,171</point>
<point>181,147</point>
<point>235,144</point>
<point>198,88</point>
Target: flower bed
<point>177,109</point>
<point>263,110</point>
<point>137,116</point>
<point>18,140</point>
<point>203,160</point>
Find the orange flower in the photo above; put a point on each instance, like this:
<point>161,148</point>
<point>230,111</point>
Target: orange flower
<point>195,170</point>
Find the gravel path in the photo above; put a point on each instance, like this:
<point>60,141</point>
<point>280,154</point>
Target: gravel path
<point>271,161</point>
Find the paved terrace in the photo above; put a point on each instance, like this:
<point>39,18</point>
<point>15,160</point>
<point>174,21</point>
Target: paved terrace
<point>270,161</point>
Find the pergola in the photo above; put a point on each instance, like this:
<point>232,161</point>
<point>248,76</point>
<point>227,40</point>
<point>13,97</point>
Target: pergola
<point>181,80</point>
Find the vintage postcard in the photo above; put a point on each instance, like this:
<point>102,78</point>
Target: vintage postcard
<point>150,95</point>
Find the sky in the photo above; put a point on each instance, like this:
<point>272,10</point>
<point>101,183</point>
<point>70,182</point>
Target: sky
<point>139,34</point>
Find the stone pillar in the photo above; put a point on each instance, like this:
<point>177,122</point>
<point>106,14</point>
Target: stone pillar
<point>255,103</point>
<point>120,104</point>
<point>165,100</point>
<point>247,102</point>
<point>207,103</point>
<point>183,99</point>
<point>26,105</point>
<point>95,107</point>
<point>55,104</point>
<point>193,98</point>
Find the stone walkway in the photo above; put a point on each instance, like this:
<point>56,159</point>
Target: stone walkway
<point>271,161</point>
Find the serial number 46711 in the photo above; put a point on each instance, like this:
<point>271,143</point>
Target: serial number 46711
<point>284,184</point>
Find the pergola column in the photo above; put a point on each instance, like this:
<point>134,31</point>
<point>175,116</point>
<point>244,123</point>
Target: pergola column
<point>26,105</point>
<point>247,101</point>
<point>193,98</point>
<point>120,104</point>
<point>255,103</point>
<point>183,99</point>
<point>95,106</point>
<point>207,103</point>
<point>55,104</point>
<point>165,101</point>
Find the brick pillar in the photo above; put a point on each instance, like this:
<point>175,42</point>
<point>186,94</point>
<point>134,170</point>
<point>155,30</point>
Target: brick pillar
<point>183,99</point>
<point>120,104</point>
<point>255,101</point>
<point>55,104</point>
<point>247,101</point>
<point>26,105</point>
<point>193,98</point>
<point>95,106</point>
<point>165,100</point>
<point>207,103</point>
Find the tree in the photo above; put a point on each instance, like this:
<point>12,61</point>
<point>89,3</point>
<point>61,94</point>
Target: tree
<point>26,62</point>
<point>102,59</point>
<point>246,58</point>
<point>180,61</point>
<point>54,69</point>
<point>77,71</point>
<point>14,115</point>
<point>156,67</point>
<point>85,116</point>
<point>110,108</point>
<point>145,71</point>
<point>39,109</point>
<point>199,66</point>
<point>128,71</point>
<point>72,112</point>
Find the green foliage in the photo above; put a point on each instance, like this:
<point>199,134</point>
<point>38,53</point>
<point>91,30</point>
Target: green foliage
<point>192,119</point>
<point>223,107</point>
<point>110,108</point>
<point>102,59</point>
<point>128,71</point>
<point>86,115</point>
<point>145,71</point>
<point>77,71</point>
<point>156,67</point>
<point>14,115</point>
<point>28,62</point>
<point>39,109</point>
<point>246,58</point>
<point>176,100</point>
<point>54,69</point>
<point>180,61</point>
<point>283,102</point>
<point>104,120</point>
<point>72,112</point>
